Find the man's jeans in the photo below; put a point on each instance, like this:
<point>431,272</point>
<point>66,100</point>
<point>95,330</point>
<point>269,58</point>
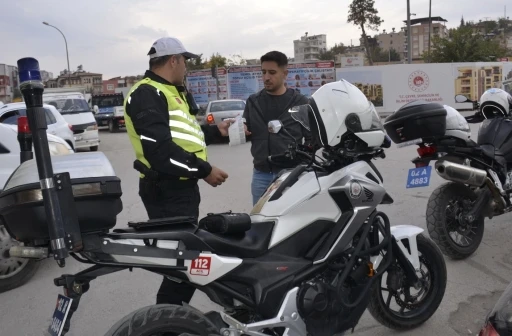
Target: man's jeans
<point>260,183</point>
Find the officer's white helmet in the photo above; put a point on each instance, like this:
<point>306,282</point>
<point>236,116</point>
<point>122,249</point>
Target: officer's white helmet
<point>456,124</point>
<point>337,110</point>
<point>495,103</point>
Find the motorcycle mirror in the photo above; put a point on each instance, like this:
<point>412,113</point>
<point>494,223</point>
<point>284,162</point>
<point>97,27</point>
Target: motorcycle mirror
<point>461,98</point>
<point>275,126</point>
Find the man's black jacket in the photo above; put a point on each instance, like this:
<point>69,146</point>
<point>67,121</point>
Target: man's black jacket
<point>264,143</point>
<point>148,110</point>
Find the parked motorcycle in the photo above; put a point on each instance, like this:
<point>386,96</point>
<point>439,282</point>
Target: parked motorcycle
<point>479,172</point>
<point>308,260</point>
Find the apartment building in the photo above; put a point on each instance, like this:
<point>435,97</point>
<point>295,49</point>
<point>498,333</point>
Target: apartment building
<point>420,35</point>
<point>8,82</point>
<point>474,81</point>
<point>110,85</point>
<point>93,82</point>
<point>308,48</point>
<point>393,40</point>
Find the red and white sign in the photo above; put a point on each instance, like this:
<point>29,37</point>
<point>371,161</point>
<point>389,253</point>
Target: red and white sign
<point>201,266</point>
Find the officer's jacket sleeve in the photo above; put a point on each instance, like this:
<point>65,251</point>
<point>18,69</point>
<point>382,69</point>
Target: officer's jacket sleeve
<point>150,117</point>
<point>210,134</point>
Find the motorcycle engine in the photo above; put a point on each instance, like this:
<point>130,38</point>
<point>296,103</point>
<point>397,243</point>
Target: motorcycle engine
<point>319,301</point>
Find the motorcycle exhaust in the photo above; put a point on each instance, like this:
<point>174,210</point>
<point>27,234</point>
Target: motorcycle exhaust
<point>459,173</point>
<point>28,252</point>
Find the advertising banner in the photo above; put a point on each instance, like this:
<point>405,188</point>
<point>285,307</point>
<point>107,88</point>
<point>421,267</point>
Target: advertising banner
<point>303,77</point>
<point>391,86</point>
<point>204,87</point>
<point>243,81</point>
<point>309,77</point>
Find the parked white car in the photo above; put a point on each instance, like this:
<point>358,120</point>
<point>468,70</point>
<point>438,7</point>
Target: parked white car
<point>75,110</point>
<point>57,125</point>
<point>10,150</point>
<point>15,272</point>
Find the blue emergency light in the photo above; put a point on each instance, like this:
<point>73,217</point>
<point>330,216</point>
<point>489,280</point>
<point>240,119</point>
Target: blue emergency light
<point>28,70</point>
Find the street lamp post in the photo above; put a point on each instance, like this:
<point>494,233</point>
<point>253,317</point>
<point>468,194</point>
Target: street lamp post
<point>409,47</point>
<point>67,54</point>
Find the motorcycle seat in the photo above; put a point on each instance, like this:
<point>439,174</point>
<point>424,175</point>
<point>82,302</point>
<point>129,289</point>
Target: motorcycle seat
<point>250,244</point>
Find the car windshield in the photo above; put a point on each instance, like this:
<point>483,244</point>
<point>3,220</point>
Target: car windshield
<point>68,105</point>
<point>227,106</point>
<point>108,101</point>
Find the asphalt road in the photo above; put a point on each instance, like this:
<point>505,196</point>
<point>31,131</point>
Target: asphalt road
<point>474,284</point>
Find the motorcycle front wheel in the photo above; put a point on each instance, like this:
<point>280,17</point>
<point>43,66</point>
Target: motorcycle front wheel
<point>164,320</point>
<point>446,209</point>
<point>412,309</point>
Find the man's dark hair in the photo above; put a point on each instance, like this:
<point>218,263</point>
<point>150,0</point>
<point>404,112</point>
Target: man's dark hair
<point>157,62</point>
<point>275,56</point>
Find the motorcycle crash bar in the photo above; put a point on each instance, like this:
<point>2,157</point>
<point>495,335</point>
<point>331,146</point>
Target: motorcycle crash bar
<point>28,252</point>
<point>459,173</point>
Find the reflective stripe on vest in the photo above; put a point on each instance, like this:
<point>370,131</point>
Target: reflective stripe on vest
<point>185,130</point>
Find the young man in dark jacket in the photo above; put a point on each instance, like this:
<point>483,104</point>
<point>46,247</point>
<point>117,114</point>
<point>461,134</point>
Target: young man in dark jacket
<point>271,103</point>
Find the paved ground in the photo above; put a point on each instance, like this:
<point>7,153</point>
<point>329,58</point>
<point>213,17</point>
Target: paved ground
<point>470,292</point>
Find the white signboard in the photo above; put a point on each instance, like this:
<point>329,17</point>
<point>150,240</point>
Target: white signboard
<point>391,86</point>
<point>347,62</point>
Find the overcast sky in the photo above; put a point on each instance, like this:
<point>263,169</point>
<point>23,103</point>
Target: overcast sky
<point>112,37</point>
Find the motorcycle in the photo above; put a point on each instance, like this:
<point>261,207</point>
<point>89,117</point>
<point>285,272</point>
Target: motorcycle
<point>308,260</point>
<point>479,173</point>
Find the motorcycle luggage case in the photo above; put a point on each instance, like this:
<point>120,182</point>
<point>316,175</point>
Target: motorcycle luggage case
<point>414,120</point>
<point>96,189</point>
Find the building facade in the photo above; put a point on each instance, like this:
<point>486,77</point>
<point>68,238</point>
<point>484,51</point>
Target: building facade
<point>93,82</point>
<point>420,35</point>
<point>472,82</point>
<point>308,48</point>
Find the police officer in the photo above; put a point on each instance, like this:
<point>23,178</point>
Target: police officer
<point>169,144</point>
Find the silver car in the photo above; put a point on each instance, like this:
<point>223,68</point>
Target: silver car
<point>218,110</point>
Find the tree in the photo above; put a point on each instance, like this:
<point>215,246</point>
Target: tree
<point>16,95</point>
<point>216,59</point>
<point>362,13</point>
<point>462,22</point>
<point>236,60</point>
<point>509,75</point>
<point>464,46</point>
<point>196,63</point>
<point>330,54</point>
<point>381,55</point>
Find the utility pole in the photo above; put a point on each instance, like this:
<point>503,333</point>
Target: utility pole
<point>409,47</point>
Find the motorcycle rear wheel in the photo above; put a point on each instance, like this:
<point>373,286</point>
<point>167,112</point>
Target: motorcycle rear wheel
<point>164,320</point>
<point>449,199</point>
<point>379,308</point>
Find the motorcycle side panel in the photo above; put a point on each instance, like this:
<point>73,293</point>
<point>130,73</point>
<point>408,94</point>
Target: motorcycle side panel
<point>203,270</point>
<point>498,133</point>
<point>305,187</point>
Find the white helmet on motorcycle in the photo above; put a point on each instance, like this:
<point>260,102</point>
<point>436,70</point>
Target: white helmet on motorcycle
<point>456,124</point>
<point>337,110</point>
<point>495,102</point>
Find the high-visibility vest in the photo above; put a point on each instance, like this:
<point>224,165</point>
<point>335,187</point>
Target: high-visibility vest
<point>185,130</point>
